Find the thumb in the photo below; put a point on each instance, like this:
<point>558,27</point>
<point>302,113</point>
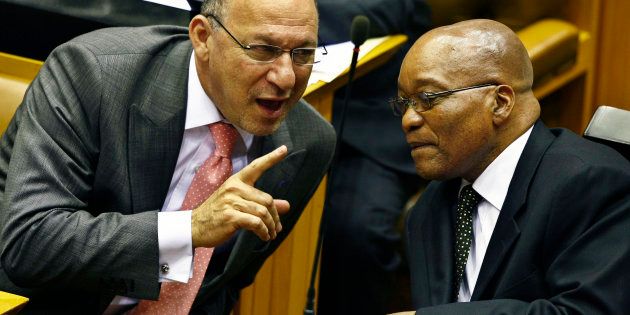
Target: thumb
<point>281,205</point>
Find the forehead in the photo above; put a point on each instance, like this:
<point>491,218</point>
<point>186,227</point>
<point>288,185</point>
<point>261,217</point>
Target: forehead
<point>438,61</point>
<point>275,19</point>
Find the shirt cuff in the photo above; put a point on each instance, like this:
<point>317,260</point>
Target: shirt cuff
<point>175,245</point>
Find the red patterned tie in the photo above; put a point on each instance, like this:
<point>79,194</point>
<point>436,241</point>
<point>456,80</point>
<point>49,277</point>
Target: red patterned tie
<point>175,297</point>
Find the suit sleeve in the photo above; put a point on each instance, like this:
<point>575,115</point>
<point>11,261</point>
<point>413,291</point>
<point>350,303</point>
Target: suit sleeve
<point>49,236</point>
<point>585,251</point>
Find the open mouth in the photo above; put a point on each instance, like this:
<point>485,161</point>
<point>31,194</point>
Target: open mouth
<point>271,109</point>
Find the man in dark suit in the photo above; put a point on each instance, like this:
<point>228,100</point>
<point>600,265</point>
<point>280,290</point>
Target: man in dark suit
<point>542,223</point>
<point>375,177</point>
<point>108,140</point>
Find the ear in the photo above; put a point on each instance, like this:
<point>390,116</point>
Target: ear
<point>503,104</point>
<point>199,30</point>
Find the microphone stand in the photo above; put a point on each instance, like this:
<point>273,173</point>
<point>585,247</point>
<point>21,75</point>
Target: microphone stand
<point>359,30</point>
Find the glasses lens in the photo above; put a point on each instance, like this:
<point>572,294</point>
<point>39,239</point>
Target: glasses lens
<point>305,56</point>
<point>399,105</point>
<point>261,52</point>
<point>424,102</point>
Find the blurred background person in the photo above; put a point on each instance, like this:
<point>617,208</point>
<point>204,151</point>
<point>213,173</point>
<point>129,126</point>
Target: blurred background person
<point>374,178</point>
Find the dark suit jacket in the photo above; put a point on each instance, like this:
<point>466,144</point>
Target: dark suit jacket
<point>370,125</point>
<point>561,243</point>
<point>86,163</point>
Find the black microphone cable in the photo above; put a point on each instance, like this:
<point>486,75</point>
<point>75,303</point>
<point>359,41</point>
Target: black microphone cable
<point>358,34</point>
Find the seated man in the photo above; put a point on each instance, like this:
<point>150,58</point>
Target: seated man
<point>519,218</point>
<point>123,126</point>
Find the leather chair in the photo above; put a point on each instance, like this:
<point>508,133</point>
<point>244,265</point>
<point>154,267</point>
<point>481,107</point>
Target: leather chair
<point>16,73</point>
<point>552,43</point>
<point>611,126</point>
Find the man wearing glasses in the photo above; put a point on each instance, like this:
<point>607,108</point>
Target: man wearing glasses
<point>519,218</point>
<point>160,163</point>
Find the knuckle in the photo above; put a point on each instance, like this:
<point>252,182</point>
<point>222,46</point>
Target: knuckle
<point>232,189</point>
<point>261,211</point>
<point>241,206</point>
<point>267,200</point>
<point>255,163</point>
<point>259,224</point>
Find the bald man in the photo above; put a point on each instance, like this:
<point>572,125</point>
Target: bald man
<point>538,217</point>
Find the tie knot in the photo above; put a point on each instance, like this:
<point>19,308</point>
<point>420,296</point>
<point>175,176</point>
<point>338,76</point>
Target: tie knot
<point>225,136</point>
<point>469,195</point>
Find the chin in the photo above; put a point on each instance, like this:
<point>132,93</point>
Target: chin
<point>263,128</point>
<point>431,173</point>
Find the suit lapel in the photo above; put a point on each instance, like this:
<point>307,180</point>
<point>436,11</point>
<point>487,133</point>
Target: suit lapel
<point>156,127</point>
<point>276,181</point>
<point>438,242</point>
<point>506,231</point>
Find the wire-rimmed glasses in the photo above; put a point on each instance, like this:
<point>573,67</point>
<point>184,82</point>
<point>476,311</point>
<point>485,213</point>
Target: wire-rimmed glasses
<point>424,99</point>
<point>304,56</point>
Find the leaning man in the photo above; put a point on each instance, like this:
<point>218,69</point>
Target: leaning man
<point>153,170</point>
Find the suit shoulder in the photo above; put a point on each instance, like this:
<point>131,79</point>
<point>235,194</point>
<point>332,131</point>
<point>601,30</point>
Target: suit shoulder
<point>572,152</point>
<point>125,40</point>
<point>574,168</point>
<point>306,122</point>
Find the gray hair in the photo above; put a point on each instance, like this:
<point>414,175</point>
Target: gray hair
<point>217,8</point>
<point>213,7</point>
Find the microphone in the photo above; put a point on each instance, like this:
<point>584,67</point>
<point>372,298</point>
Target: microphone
<point>359,30</point>
<point>358,33</point>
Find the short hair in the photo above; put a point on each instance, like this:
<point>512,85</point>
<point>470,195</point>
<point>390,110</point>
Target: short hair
<point>217,8</point>
<point>213,7</point>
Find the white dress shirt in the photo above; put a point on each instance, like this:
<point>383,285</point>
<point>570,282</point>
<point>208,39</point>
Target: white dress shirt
<point>175,227</point>
<point>492,185</point>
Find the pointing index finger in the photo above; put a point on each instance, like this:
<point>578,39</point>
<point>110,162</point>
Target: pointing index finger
<point>250,173</point>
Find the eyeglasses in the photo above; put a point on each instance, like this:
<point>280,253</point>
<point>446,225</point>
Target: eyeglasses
<point>304,56</point>
<point>400,104</point>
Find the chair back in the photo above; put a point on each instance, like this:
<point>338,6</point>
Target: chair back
<point>611,126</point>
<point>16,73</point>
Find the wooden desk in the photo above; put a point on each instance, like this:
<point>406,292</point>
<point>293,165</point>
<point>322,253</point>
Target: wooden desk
<point>11,303</point>
<point>16,73</point>
<point>281,284</point>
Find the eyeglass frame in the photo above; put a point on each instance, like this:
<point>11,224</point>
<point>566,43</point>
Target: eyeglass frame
<point>399,109</point>
<point>278,50</point>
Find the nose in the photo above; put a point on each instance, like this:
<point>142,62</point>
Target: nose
<point>411,120</point>
<point>282,73</point>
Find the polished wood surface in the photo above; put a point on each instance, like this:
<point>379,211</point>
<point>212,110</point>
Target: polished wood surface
<point>567,99</point>
<point>613,64</point>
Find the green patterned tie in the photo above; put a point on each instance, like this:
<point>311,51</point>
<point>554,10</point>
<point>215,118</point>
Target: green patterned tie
<point>468,199</point>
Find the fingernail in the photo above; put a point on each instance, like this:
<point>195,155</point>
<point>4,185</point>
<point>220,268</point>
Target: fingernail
<point>279,227</point>
<point>281,149</point>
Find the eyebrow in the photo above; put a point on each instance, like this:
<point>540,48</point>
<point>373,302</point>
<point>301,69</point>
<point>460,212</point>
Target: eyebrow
<point>271,41</point>
<point>422,82</point>
<point>430,82</point>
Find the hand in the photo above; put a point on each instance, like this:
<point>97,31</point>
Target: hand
<point>236,204</point>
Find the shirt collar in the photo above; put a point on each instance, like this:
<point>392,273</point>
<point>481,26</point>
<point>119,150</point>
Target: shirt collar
<point>494,182</point>
<point>200,110</point>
